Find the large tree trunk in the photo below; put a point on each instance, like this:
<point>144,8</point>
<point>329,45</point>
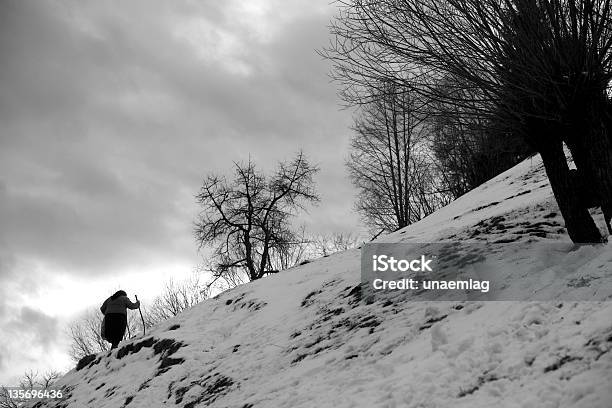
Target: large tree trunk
<point>590,142</point>
<point>579,223</point>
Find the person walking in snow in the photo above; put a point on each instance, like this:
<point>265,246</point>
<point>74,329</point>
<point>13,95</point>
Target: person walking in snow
<point>114,310</point>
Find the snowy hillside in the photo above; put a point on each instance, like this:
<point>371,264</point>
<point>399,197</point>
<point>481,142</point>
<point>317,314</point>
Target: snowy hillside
<point>304,338</point>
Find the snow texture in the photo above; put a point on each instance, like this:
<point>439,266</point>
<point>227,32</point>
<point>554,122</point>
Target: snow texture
<point>305,338</point>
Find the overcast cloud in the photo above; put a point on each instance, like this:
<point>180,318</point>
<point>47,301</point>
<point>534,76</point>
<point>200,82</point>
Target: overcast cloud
<point>110,115</point>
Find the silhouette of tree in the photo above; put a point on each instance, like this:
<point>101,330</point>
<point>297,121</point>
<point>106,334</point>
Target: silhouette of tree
<point>246,220</point>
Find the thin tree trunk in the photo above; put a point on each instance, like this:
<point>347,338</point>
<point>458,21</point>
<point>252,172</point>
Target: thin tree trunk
<point>390,153</point>
<point>248,249</point>
<point>401,220</point>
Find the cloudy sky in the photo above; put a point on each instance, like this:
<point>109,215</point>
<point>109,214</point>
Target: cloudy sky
<point>110,115</point>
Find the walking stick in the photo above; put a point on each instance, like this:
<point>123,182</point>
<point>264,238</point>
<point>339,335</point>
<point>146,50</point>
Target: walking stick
<point>144,330</point>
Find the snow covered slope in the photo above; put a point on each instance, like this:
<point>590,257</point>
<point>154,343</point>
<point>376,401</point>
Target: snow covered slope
<point>304,338</point>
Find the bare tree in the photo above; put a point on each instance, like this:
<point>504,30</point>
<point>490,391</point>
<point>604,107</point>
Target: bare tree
<point>291,255</point>
<point>85,338</point>
<point>526,62</point>
<point>327,244</point>
<point>383,162</point>
<point>176,297</point>
<point>29,381</point>
<point>469,149</point>
<point>567,48</point>
<point>425,184</point>
<point>280,258</point>
<point>246,220</point>
<point>221,282</point>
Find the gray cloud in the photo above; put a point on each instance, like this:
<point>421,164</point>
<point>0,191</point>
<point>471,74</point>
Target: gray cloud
<point>41,328</point>
<point>32,327</point>
<point>29,342</point>
<point>7,268</point>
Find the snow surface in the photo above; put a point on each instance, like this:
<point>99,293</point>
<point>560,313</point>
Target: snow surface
<point>304,338</point>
